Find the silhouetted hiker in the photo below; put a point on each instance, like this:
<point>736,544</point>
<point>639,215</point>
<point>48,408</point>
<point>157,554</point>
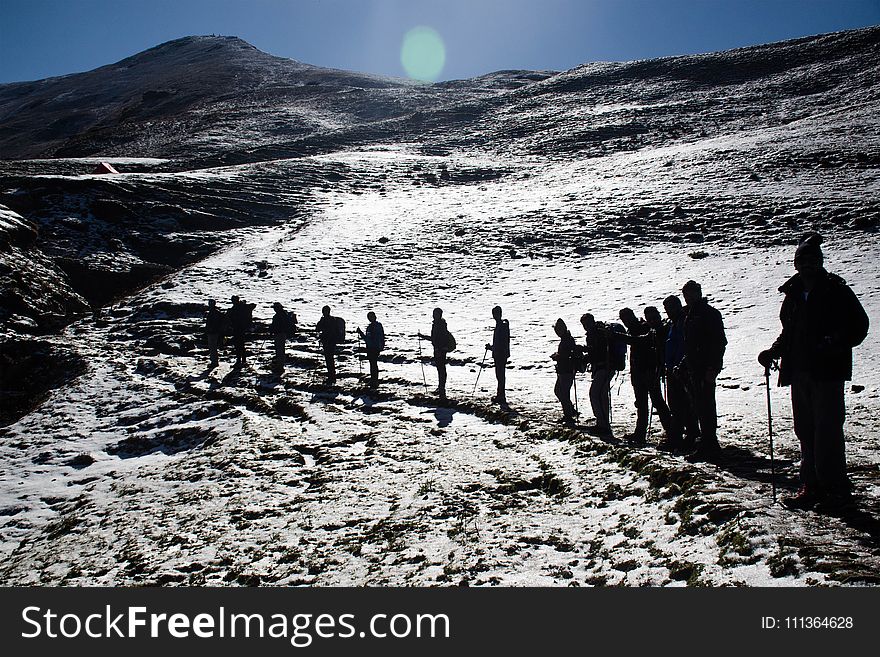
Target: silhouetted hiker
<point>685,428</point>
<point>643,373</point>
<point>283,326</point>
<point>213,331</point>
<point>660,332</point>
<point>239,317</point>
<point>565,370</point>
<point>704,346</point>
<point>331,332</point>
<point>599,360</point>
<point>374,341</point>
<point>822,320</point>
<point>500,348</point>
<point>443,343</point>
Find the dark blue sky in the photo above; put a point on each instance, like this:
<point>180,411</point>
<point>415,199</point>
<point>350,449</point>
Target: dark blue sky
<point>42,38</point>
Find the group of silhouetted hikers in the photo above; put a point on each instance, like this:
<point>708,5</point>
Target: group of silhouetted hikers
<point>674,364</point>
<point>681,356</point>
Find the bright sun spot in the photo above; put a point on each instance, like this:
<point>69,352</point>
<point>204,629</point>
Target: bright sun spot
<point>423,54</point>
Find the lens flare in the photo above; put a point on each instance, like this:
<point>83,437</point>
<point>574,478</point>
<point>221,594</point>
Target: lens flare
<point>423,54</point>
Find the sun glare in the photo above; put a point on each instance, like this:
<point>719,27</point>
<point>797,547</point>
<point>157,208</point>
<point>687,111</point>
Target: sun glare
<point>423,54</point>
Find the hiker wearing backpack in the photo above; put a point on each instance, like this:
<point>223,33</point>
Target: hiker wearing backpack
<point>643,374</point>
<point>374,340</point>
<point>213,331</point>
<point>685,428</point>
<point>599,359</point>
<point>282,326</point>
<point>443,343</point>
<point>565,356</point>
<point>500,348</point>
<point>239,318</point>
<point>822,320</point>
<point>331,332</point>
<point>704,346</point>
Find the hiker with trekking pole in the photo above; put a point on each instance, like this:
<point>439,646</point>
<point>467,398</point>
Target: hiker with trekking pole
<point>331,332</point>
<point>283,326</point>
<point>822,321</point>
<point>685,429</point>
<point>565,370</point>
<point>704,345</point>
<point>602,366</point>
<point>644,377</point>
<point>374,341</point>
<point>443,343</point>
<point>500,348</point>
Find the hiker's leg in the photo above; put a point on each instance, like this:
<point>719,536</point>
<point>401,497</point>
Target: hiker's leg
<point>213,342</point>
<point>600,398</point>
<point>656,394</point>
<point>373,357</point>
<point>440,361</point>
<point>829,414</point>
<point>501,377</point>
<point>803,416</point>
<point>640,390</point>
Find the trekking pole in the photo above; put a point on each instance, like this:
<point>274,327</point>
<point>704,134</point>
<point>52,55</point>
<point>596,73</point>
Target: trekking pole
<point>360,359</point>
<point>422,363</point>
<point>770,431</point>
<point>479,371</point>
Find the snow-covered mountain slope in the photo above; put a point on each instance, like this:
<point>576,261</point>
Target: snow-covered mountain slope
<point>125,461</point>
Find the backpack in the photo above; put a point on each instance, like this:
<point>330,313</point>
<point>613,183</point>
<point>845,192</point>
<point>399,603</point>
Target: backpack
<point>339,324</point>
<point>579,359</point>
<point>450,342</point>
<point>290,323</point>
<point>616,347</point>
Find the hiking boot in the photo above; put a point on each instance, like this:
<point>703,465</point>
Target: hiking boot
<point>835,503</point>
<point>804,499</point>
<point>634,439</point>
<point>704,452</point>
<point>669,445</point>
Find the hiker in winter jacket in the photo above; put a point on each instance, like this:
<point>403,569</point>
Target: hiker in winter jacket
<point>704,346</point>
<point>213,331</point>
<point>279,329</point>
<point>685,429</point>
<point>328,336</point>
<point>440,338</point>
<point>565,370</point>
<point>500,348</point>
<point>822,320</point>
<point>644,376</point>
<point>240,317</point>
<point>599,360</point>
<point>374,341</point>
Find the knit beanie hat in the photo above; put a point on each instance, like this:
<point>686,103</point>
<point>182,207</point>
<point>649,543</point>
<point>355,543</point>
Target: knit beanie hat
<point>809,247</point>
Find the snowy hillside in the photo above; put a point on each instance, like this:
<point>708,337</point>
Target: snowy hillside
<point>126,461</point>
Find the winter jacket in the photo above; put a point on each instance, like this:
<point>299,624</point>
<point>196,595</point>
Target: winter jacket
<point>565,354</point>
<point>642,356</point>
<point>819,330</point>
<point>280,323</point>
<point>440,336</point>
<point>501,340</point>
<point>374,337</point>
<point>328,331</point>
<point>704,339</point>
<point>214,321</point>
<point>597,348</point>
<point>674,348</point>
<point>240,318</point>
